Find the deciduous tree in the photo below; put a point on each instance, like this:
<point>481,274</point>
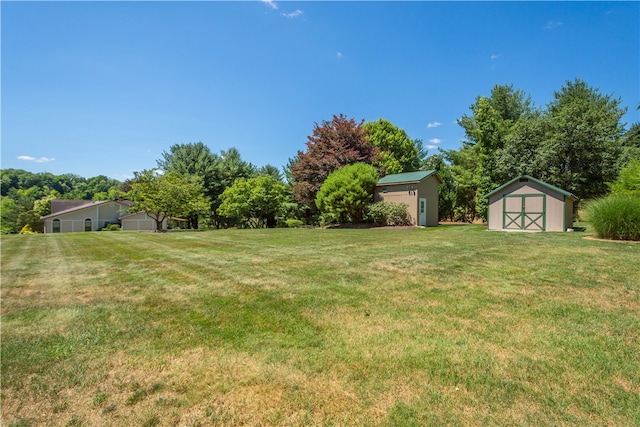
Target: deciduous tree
<point>628,182</point>
<point>487,129</point>
<point>9,212</point>
<point>397,152</point>
<point>583,142</point>
<point>523,149</point>
<point>254,201</point>
<point>630,145</point>
<point>217,172</point>
<point>193,159</point>
<point>464,169</point>
<point>42,206</point>
<point>166,195</point>
<point>333,144</point>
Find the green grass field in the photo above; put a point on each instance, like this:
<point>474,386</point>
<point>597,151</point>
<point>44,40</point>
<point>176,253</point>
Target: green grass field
<point>453,325</point>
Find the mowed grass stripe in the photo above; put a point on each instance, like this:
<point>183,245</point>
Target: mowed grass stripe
<point>453,325</point>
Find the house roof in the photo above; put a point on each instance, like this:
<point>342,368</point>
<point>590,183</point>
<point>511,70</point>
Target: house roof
<point>530,178</point>
<point>407,177</point>
<point>89,204</point>
<point>59,205</point>
<point>130,214</point>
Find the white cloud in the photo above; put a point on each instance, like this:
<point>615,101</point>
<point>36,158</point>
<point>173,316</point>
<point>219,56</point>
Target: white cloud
<point>435,140</point>
<point>434,125</point>
<point>339,54</point>
<point>431,147</point>
<point>293,14</point>
<point>551,25</point>
<point>270,3</point>
<point>36,159</point>
<point>495,56</point>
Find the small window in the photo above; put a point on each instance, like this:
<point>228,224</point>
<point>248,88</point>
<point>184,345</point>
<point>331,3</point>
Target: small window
<point>55,226</point>
<point>87,224</point>
<point>422,203</point>
<point>385,189</point>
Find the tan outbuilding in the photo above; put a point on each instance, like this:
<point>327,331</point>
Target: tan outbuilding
<point>419,190</point>
<point>71,216</point>
<point>528,204</point>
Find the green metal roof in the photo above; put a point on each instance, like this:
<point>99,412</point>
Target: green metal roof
<point>530,178</point>
<point>403,178</point>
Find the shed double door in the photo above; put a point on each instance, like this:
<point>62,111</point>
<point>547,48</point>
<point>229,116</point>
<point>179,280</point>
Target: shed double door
<point>524,212</point>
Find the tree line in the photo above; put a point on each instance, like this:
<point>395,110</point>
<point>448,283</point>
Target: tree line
<point>26,196</point>
<point>232,192</point>
<point>577,142</point>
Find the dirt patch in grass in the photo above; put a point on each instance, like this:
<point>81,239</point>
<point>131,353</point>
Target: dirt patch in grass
<point>370,227</point>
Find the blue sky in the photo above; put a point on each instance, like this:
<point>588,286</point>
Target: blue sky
<point>103,88</point>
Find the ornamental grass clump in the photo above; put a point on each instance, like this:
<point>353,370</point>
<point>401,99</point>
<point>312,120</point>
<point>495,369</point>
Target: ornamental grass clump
<point>616,217</point>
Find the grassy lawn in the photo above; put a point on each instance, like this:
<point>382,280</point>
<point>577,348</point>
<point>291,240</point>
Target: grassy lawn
<point>446,326</point>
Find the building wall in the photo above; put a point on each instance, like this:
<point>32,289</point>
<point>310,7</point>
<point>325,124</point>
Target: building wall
<point>494,216</point>
<point>428,188</point>
<point>556,208</point>
<point>400,193</point>
<point>100,214</point>
<point>140,221</point>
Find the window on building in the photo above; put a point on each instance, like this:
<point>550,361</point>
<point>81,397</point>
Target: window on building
<point>87,224</point>
<point>55,226</point>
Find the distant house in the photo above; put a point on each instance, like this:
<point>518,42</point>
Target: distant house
<point>528,204</point>
<point>419,190</point>
<point>139,221</point>
<point>72,216</point>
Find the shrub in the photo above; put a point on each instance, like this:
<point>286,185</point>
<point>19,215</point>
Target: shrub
<point>290,211</point>
<point>111,227</point>
<point>294,223</point>
<point>26,229</point>
<point>616,217</point>
<point>628,181</point>
<point>347,191</point>
<point>328,218</point>
<point>389,213</point>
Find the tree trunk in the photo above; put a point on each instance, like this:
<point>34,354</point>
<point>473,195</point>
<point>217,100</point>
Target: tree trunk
<point>192,222</point>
